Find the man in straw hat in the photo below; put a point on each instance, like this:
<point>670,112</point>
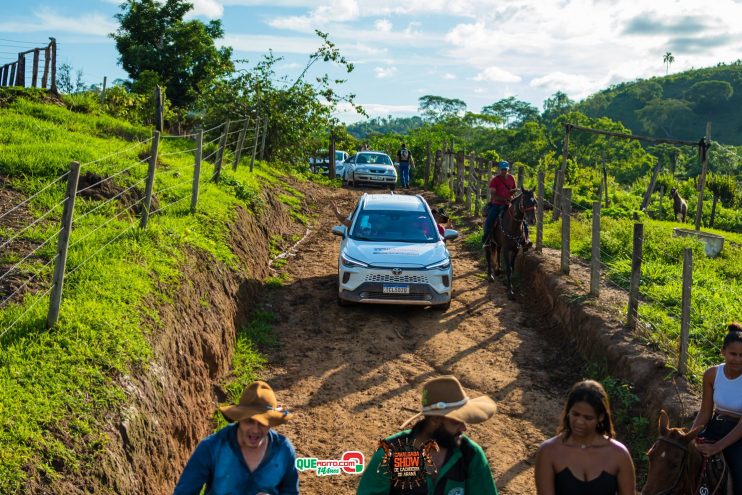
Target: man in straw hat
<point>461,465</point>
<point>247,456</point>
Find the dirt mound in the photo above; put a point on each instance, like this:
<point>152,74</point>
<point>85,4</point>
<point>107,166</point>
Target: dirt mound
<point>98,187</point>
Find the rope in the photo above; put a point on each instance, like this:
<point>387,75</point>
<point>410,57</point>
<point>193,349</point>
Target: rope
<point>35,194</point>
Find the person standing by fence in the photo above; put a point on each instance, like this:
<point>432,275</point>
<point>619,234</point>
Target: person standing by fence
<point>721,407</point>
<point>404,157</point>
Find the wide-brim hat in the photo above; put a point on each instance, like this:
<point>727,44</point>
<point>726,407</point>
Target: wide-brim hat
<point>444,396</point>
<point>257,402</point>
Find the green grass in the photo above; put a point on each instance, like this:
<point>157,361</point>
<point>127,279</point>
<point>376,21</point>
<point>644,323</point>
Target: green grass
<point>716,290</point>
<point>58,386</point>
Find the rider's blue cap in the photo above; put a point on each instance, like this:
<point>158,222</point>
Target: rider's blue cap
<point>504,164</point>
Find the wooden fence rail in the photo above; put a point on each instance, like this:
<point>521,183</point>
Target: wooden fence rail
<point>14,73</point>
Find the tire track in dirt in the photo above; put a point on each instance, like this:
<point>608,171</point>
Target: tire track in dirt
<point>352,380</point>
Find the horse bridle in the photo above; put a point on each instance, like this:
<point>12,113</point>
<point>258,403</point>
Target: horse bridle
<point>683,462</point>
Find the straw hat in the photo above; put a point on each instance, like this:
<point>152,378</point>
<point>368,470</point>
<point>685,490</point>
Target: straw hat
<point>258,402</point>
<point>444,396</point>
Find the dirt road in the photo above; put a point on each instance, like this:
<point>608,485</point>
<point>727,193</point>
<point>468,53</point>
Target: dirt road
<point>353,374</point>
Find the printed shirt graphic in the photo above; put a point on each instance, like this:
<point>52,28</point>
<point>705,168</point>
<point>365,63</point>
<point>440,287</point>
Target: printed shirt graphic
<point>404,155</point>
<point>502,186</point>
<point>478,481</point>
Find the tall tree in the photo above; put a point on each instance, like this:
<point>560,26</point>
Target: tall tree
<point>158,47</point>
<point>667,60</point>
<point>512,111</point>
<point>438,108</point>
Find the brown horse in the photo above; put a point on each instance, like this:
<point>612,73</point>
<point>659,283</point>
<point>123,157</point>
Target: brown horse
<point>679,206</point>
<point>506,235</point>
<point>676,467</point>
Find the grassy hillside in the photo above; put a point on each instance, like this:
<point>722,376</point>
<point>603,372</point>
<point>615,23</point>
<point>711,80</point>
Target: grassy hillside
<point>57,386</point>
<point>678,105</point>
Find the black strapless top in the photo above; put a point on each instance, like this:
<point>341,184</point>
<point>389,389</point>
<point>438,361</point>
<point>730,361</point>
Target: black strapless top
<point>566,484</point>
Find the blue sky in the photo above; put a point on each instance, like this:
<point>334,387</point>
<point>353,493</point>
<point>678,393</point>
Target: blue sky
<point>476,50</point>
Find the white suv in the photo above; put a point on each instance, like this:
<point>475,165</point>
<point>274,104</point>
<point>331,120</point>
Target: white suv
<point>370,168</point>
<point>393,253</point>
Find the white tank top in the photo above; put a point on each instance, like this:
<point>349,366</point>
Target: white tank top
<point>727,393</point>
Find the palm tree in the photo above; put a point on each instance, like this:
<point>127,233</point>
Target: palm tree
<point>667,60</point>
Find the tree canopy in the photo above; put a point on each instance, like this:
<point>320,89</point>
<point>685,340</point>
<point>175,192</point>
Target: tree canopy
<point>158,47</point>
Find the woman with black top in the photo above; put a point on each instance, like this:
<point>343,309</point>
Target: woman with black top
<point>584,458</point>
<point>721,407</point>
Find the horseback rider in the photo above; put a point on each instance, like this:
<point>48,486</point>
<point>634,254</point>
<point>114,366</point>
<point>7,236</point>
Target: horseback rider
<point>502,188</point>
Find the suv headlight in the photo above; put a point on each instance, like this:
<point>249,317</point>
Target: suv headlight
<point>350,262</point>
<point>441,265</point>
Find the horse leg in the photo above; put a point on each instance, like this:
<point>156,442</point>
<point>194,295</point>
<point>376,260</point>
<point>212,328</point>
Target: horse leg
<point>488,256</point>
<point>512,254</point>
<point>497,252</point>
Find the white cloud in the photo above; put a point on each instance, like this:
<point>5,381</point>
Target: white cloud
<point>49,21</point>
<point>346,113</point>
<point>212,9</point>
<point>385,72</point>
<point>449,76</point>
<point>496,74</point>
<point>261,43</point>
<point>383,25</point>
<point>577,86</point>
<point>412,31</point>
<point>480,91</point>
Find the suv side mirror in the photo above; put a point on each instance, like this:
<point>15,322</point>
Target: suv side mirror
<point>340,230</point>
<point>450,234</point>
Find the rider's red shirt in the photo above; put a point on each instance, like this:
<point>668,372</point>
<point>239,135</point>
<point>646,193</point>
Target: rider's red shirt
<point>502,186</point>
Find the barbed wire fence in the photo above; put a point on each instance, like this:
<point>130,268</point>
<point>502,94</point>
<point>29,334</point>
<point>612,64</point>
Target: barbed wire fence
<point>24,279</point>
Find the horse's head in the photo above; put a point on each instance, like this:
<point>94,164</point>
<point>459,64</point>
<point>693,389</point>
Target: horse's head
<point>527,205</point>
<point>673,192</point>
<point>668,458</point>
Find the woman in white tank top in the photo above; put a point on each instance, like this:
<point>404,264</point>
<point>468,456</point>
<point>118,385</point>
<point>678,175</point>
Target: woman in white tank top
<point>721,406</point>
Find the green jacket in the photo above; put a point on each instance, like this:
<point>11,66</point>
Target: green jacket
<point>476,479</point>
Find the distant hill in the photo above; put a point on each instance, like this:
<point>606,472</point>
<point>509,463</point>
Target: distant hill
<point>389,125</point>
<point>677,106</point>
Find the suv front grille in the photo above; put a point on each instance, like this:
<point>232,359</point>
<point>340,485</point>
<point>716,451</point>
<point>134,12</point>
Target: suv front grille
<point>399,279</point>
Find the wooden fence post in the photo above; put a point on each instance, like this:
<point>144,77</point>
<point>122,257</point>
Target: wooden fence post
<point>263,137</point>
<point>53,44</point>
<point>150,180</point>
<point>605,184</point>
<point>103,91</point>
<point>661,215</point>
<point>255,143</point>
<point>240,142</point>
<point>55,299</point>
<point>35,74</point>
<point>595,260</point>
<point>566,197</point>
<point>559,178</point>
<point>540,213</point>
<point>159,109</point>
<point>45,75</point>
<point>636,272</point>
<point>220,152</point>
<point>650,189</point>
<point>702,180</point>
<point>426,183</point>
<point>467,183</point>
<point>685,315</point>
<point>20,72</point>
<point>331,152</point>
<point>460,177</point>
<point>197,169</point>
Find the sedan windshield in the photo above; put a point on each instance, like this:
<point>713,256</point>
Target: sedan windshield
<point>394,226</point>
<point>373,159</point>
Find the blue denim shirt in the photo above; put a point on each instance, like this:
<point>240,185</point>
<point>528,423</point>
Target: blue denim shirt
<point>217,463</point>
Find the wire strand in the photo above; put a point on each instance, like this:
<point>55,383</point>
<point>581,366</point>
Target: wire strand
<point>13,268</point>
<point>25,201</point>
<point>102,248</point>
<point>24,229</point>
<point>111,199</point>
<point>116,153</point>
<point>115,217</point>
<point>112,176</point>
<point>27,310</point>
<point>4,301</point>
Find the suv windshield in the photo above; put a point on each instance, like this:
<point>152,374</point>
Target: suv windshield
<point>394,226</point>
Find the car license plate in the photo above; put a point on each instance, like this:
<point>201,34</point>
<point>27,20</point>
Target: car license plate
<point>396,289</point>
<point>376,178</point>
